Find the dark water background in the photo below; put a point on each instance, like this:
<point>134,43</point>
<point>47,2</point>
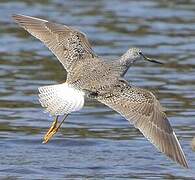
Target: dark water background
<point>96,143</point>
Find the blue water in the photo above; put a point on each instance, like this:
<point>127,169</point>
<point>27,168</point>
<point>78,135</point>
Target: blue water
<point>96,143</point>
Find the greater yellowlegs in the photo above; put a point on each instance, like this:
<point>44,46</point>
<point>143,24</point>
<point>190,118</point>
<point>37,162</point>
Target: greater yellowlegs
<point>89,76</point>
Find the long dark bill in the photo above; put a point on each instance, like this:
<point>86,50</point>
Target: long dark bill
<point>150,60</point>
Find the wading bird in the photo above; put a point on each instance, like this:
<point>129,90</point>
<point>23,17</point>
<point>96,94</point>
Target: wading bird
<point>90,76</point>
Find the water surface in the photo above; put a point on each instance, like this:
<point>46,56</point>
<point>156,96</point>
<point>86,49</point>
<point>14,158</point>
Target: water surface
<point>96,143</point>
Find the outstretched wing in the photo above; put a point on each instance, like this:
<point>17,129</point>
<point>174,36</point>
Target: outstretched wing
<point>68,44</point>
<point>141,108</point>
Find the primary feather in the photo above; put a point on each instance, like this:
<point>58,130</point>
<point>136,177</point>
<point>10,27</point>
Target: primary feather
<point>141,108</point>
<point>68,44</point>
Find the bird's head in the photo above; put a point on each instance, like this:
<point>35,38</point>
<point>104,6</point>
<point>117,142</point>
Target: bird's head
<point>133,55</point>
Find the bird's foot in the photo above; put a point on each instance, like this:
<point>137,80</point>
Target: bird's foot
<point>53,129</point>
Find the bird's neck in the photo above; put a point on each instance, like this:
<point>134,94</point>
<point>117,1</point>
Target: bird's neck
<point>125,62</point>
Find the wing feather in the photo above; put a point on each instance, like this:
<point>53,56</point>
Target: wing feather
<point>67,44</point>
<point>141,108</point>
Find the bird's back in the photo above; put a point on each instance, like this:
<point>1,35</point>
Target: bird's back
<point>93,75</point>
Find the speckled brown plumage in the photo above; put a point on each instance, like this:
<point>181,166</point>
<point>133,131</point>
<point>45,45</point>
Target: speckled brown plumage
<point>104,82</point>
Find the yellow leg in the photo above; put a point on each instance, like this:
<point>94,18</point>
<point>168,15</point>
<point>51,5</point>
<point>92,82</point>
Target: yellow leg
<point>53,129</point>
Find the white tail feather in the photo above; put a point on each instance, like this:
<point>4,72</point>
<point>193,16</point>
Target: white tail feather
<point>61,99</point>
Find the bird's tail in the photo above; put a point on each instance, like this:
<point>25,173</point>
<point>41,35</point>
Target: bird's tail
<point>61,99</point>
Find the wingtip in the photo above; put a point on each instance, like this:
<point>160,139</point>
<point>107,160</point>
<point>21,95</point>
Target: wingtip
<point>16,16</point>
<point>181,157</point>
<point>24,18</point>
<point>184,163</point>
<point>186,166</point>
